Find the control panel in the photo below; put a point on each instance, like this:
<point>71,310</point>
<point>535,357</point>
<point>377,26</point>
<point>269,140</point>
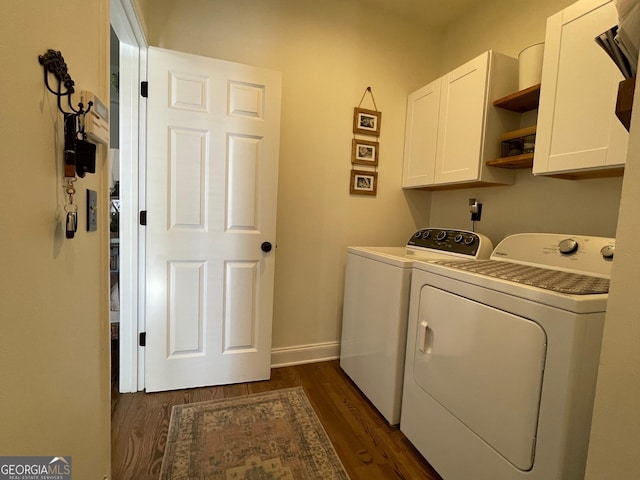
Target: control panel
<point>577,253</point>
<point>462,242</point>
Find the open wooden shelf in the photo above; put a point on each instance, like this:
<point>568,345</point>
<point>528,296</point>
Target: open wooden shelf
<point>517,161</point>
<point>523,132</point>
<point>521,101</point>
<point>524,160</point>
<point>518,102</point>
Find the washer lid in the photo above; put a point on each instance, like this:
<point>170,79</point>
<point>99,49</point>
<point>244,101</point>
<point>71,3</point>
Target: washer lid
<point>398,256</point>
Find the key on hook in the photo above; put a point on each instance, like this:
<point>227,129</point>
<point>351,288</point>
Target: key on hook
<point>72,224</point>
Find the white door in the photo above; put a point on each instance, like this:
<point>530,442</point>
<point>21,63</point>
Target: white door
<point>212,164</point>
<point>421,136</point>
<point>483,365</point>
<point>464,93</point>
<point>577,126</point>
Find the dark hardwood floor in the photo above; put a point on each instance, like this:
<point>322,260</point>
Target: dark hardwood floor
<point>369,448</point>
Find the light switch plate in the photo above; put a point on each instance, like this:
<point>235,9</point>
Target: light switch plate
<point>92,210</point>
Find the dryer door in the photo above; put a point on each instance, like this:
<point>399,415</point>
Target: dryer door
<point>485,367</point>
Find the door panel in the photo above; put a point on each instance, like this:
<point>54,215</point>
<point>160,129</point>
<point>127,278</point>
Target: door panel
<point>189,91</point>
<point>246,100</point>
<point>240,299</point>
<point>212,165</point>
<point>485,367</point>
<point>188,172</point>
<point>186,317</point>
<point>462,117</point>
<point>577,126</point>
<point>243,182</point>
<point>421,136</point>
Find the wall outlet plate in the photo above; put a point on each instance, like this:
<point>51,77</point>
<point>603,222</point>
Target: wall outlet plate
<point>475,216</point>
<point>92,210</point>
<point>475,208</point>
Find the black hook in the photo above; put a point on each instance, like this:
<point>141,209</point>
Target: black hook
<point>54,64</point>
<point>79,154</point>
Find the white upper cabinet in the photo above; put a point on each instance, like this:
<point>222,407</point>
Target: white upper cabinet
<point>423,108</point>
<point>452,127</point>
<point>578,132</point>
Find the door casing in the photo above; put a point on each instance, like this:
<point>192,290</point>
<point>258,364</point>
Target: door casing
<point>132,125</point>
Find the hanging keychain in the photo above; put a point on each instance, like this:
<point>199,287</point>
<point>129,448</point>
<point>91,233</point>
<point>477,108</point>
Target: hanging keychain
<point>72,211</point>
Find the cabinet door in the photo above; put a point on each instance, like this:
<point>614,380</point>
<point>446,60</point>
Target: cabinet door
<point>421,134</point>
<point>577,127</point>
<point>462,122</point>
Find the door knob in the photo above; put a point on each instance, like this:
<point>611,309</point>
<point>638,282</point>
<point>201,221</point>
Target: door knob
<point>266,247</point>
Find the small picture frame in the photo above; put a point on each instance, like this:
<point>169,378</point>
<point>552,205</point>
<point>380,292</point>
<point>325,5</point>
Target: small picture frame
<point>364,152</point>
<point>366,122</point>
<point>363,182</point>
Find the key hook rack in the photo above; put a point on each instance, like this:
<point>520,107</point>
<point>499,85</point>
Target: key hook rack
<point>54,64</point>
<point>79,154</point>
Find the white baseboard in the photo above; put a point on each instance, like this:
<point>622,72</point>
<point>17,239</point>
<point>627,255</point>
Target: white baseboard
<point>317,352</point>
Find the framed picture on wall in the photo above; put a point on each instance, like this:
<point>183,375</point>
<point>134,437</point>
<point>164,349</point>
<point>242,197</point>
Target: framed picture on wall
<point>366,122</point>
<point>364,152</point>
<point>363,183</point>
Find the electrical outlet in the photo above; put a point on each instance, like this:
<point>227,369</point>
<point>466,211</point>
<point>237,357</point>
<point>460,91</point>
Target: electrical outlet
<point>475,208</point>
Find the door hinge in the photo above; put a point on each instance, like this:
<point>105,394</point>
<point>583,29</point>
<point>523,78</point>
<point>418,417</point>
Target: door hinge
<point>143,218</point>
<point>143,339</point>
<point>144,89</point>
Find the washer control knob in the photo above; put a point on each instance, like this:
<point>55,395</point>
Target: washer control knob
<point>469,240</point>
<point>568,246</point>
<point>442,234</point>
<point>418,234</point>
<point>607,251</point>
<point>458,238</point>
<point>426,234</point>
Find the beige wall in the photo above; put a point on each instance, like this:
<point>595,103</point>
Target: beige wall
<point>54,347</point>
<point>507,26</point>
<point>615,434</point>
<point>534,204</point>
<point>329,52</point>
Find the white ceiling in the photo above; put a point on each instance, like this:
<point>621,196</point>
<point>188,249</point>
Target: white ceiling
<point>433,13</point>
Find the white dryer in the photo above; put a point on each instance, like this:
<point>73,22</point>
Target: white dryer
<point>376,304</point>
<point>502,357</point>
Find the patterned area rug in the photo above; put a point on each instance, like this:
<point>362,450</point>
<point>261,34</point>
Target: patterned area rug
<point>266,436</point>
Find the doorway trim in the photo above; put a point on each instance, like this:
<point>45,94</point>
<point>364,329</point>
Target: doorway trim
<point>132,148</point>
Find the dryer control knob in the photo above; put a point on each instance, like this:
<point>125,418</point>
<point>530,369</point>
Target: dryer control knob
<point>442,234</point>
<point>458,238</point>
<point>426,234</point>
<point>568,246</point>
<point>469,240</point>
<point>607,251</point>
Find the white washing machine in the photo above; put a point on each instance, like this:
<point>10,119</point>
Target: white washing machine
<point>502,358</point>
<point>376,304</point>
